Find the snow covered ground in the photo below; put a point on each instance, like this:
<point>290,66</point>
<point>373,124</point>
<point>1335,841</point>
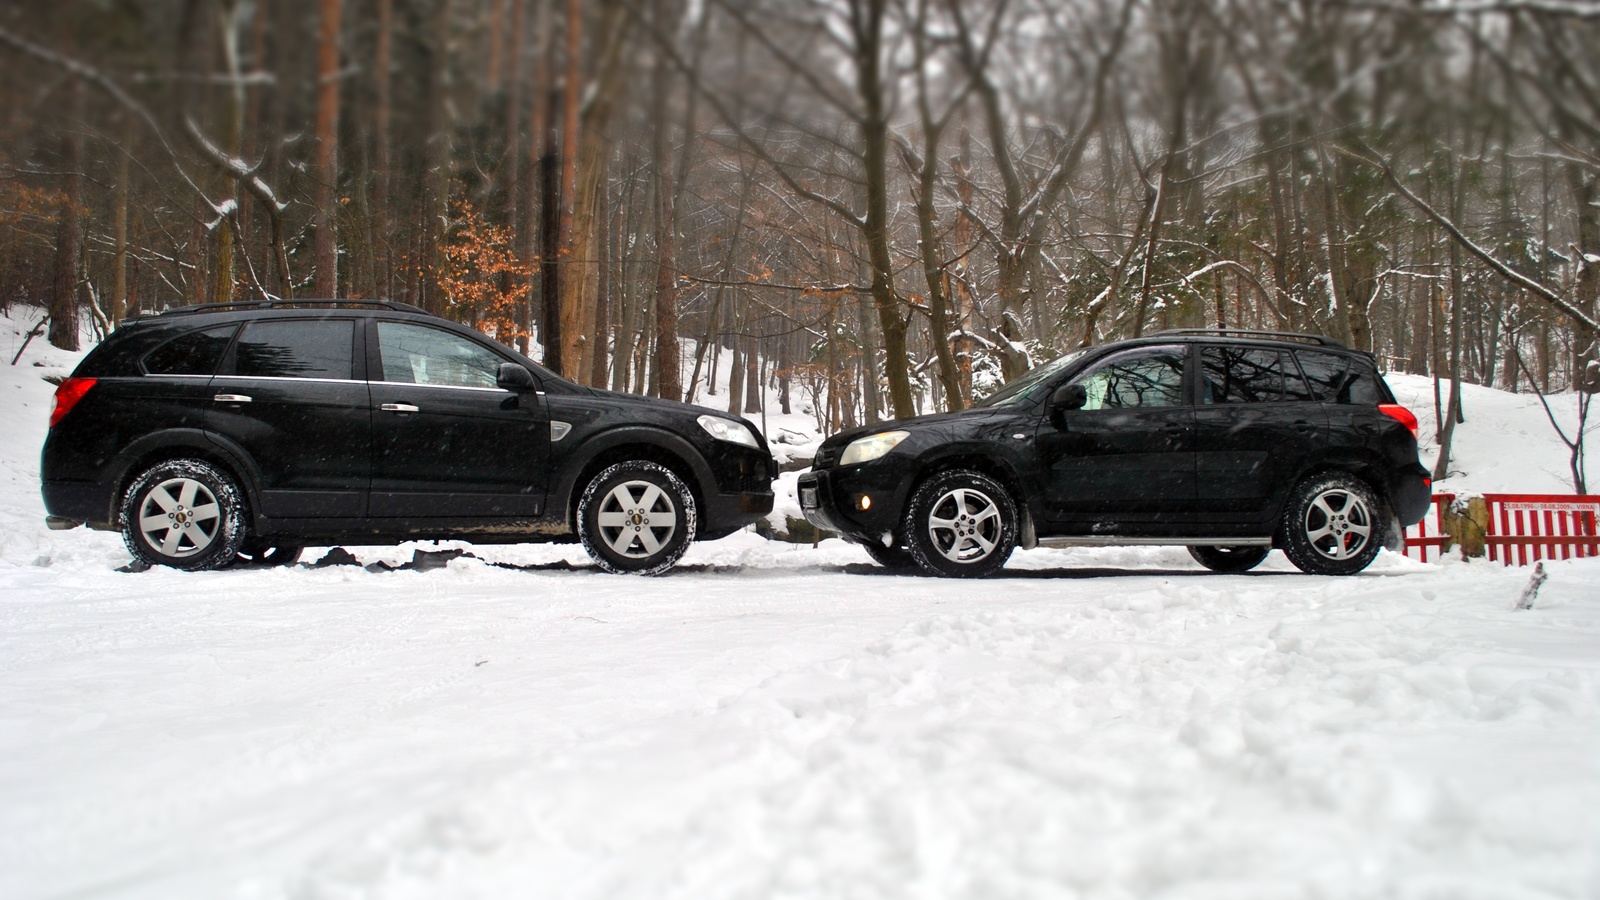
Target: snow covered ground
<point>772,720</point>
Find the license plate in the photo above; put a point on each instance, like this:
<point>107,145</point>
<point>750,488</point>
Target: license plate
<point>808,498</point>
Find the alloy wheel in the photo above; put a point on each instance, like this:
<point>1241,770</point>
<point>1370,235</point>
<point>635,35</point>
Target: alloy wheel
<point>180,517</point>
<point>637,519</point>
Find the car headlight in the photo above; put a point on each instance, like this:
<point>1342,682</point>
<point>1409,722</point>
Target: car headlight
<point>728,430</point>
<point>870,448</point>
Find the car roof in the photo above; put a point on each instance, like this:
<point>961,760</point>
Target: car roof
<point>247,307</point>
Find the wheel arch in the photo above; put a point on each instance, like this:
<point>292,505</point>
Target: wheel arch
<point>620,444</point>
<point>977,460</point>
<point>182,443</point>
<point>1368,469</point>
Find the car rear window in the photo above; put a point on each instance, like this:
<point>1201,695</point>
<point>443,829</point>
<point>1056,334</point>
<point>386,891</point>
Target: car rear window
<point>322,348</point>
<point>195,353</point>
<point>1340,379</point>
<point>1250,375</point>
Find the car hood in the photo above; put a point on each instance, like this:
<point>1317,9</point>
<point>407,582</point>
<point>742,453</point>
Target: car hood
<point>658,404</point>
<point>964,417</point>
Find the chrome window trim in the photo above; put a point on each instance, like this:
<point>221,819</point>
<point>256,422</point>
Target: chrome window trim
<point>444,387</point>
<point>292,378</point>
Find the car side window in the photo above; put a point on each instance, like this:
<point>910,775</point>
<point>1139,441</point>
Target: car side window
<point>1249,375</point>
<point>417,354</point>
<point>1339,379</point>
<point>319,348</point>
<point>195,353</point>
<point>1142,379</point>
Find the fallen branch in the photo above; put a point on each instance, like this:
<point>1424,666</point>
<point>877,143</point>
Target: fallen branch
<point>1532,590</point>
<point>33,332</point>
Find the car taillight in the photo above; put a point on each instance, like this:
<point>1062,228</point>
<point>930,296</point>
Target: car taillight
<point>68,395</point>
<point>1400,414</point>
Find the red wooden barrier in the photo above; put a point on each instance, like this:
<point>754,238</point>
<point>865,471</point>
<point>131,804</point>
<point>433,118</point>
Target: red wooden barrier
<point>1523,528</point>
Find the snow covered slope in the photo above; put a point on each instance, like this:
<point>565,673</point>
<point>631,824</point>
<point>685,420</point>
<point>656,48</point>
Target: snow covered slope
<point>1506,443</point>
<point>771,720</point>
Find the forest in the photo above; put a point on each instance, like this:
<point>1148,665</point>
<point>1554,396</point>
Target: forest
<point>872,208</point>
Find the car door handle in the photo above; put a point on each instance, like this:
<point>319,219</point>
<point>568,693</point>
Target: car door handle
<point>231,398</point>
<point>399,408</point>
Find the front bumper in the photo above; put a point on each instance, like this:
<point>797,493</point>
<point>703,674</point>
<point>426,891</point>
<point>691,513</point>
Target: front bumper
<point>831,499</point>
<point>728,512</point>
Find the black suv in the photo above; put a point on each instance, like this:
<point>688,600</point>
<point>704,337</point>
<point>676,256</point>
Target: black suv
<point>1229,442</point>
<point>210,433</point>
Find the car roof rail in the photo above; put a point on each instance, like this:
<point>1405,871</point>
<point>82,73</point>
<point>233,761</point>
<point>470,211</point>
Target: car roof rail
<point>292,304</point>
<point>1320,340</point>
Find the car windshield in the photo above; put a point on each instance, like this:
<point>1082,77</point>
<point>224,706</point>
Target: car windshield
<point>1024,388</point>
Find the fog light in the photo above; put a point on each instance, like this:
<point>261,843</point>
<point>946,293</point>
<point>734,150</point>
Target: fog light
<point>865,503</point>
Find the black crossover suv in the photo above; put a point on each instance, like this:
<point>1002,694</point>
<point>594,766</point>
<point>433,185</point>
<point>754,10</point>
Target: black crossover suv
<point>1231,443</point>
<point>211,433</point>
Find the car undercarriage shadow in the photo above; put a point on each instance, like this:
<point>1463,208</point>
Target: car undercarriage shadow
<point>1079,572</point>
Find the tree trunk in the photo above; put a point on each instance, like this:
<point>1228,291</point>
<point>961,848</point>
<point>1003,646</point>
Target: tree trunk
<point>668,366</point>
<point>63,305</point>
<point>326,247</point>
<point>736,368</point>
<point>753,399</point>
<point>119,227</point>
<point>585,176</point>
<point>382,216</point>
<point>599,344</point>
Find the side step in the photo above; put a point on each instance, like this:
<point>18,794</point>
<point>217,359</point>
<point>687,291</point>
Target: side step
<point>1114,541</point>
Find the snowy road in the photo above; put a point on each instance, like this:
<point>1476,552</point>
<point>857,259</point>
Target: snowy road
<point>782,721</point>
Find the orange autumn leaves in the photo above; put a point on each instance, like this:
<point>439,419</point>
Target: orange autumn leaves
<point>484,282</point>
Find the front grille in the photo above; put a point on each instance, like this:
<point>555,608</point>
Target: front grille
<point>827,457</point>
<point>755,484</point>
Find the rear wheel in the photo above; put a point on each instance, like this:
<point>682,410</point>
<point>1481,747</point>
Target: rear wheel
<point>1229,559</point>
<point>637,517</point>
<point>183,513</point>
<point>1333,525</point>
<point>961,524</point>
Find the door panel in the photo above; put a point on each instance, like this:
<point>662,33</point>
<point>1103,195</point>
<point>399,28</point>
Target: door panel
<point>1255,426</point>
<point>1124,464</point>
<point>290,402</point>
<point>447,443</point>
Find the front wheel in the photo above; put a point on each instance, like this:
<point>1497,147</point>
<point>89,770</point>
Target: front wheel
<point>1229,559</point>
<point>961,524</point>
<point>1333,525</point>
<point>636,517</point>
<point>890,557</point>
<point>183,513</point>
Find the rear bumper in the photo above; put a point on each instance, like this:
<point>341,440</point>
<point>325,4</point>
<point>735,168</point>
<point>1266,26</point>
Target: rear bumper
<point>1410,494</point>
<point>78,502</point>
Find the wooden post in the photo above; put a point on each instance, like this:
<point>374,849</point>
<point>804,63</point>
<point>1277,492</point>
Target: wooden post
<point>1466,523</point>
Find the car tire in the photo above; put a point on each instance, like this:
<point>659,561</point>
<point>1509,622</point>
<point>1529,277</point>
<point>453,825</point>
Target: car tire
<point>1334,525</point>
<point>637,517</point>
<point>260,554</point>
<point>1229,559</point>
<point>890,557</point>
<point>185,514</point>
<point>961,524</point>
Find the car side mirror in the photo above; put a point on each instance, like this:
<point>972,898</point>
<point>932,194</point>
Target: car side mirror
<point>1069,396</point>
<point>515,377</point>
